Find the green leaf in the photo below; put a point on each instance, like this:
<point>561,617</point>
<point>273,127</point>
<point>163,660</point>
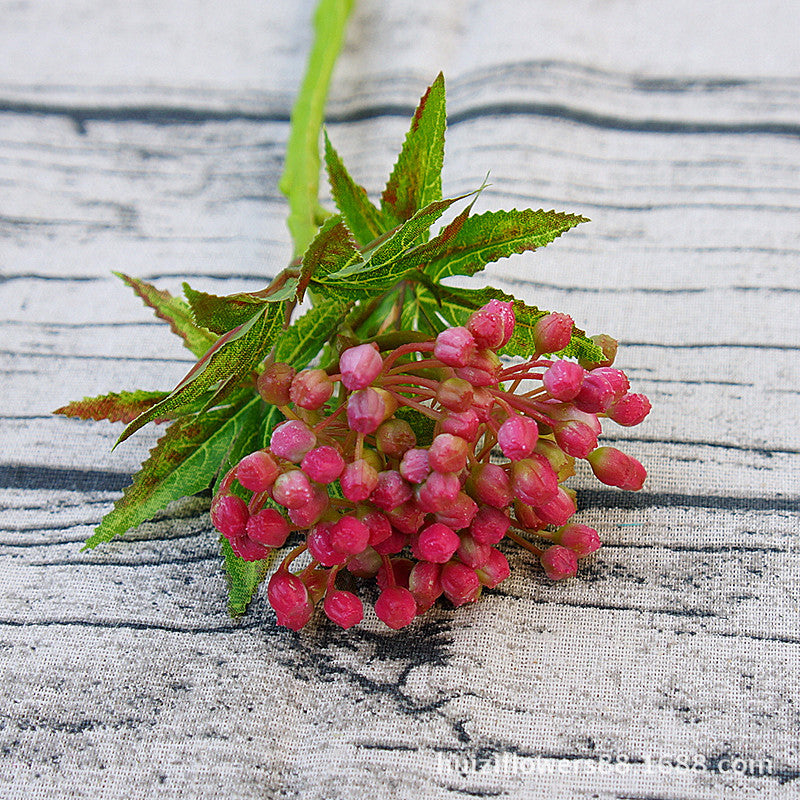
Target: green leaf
<point>424,427</point>
<point>174,311</point>
<point>333,249</point>
<point>488,237</point>
<point>233,356</point>
<point>115,406</point>
<point>384,267</point>
<point>308,334</point>
<point>300,179</point>
<point>224,313</point>
<point>243,578</point>
<point>416,179</point>
<point>363,219</point>
<point>183,462</point>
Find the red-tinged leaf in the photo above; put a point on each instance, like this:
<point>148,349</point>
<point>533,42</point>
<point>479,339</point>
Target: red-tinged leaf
<point>224,313</point>
<point>115,406</point>
<point>416,178</point>
<point>361,216</point>
<point>174,311</point>
<point>184,461</point>
<point>233,357</point>
<point>333,249</point>
<point>488,237</point>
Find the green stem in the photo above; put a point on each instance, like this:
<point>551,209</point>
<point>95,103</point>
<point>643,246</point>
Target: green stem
<point>300,179</point>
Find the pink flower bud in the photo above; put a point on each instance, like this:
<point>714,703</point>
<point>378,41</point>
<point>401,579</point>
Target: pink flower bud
<point>358,480</point>
<point>229,515</point>
<point>396,607</point>
<point>527,517</point>
<point>533,480</point>
<point>408,517</point>
<point>495,570</point>
<point>454,394</point>
<point>489,526</point>
<point>558,509</point>
<point>458,514</point>
<point>460,584</point>
<point>559,562</point>
<point>274,383</point>
<point>483,369</point>
<point>292,440</point>
<point>482,402</point>
<point>615,468</point>
<point>320,546</point>
<point>575,438</point>
<point>365,410</point>
<point>517,437</point>
<point>438,491</point>
<point>360,365</point>
<point>463,424</point>
<point>349,535</point>
<point>268,527</point>
<point>563,380</point>
<point>311,512</point>
<point>257,472</point>
<point>379,526</point>
<point>394,543</point>
<point>343,608</point>
<point>630,410</point>
<point>454,347</point>
<point>596,394</point>
<point>552,332</point>
<point>394,437</point>
<point>424,583</point>
<point>492,325</point>
<point>288,595</point>
<point>391,490</point>
<point>415,466</point>
<point>248,550</point>
<point>311,388</point>
<point>448,453</point>
<point>617,378</point>
<point>436,543</point>
<point>292,489</point>
<point>581,539</point>
<point>489,483</point>
<point>323,464</point>
<point>365,564</point>
<point>473,554</point>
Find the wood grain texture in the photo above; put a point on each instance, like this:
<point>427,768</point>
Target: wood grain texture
<point>149,141</point>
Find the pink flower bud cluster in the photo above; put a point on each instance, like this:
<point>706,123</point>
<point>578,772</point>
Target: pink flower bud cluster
<point>346,477</point>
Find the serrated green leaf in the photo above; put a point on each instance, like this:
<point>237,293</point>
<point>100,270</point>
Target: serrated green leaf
<point>115,406</point>
<point>174,311</point>
<point>183,462</point>
<point>224,313</point>
<point>487,237</point>
<point>243,577</point>
<point>307,335</point>
<point>332,249</point>
<point>234,355</point>
<point>361,216</point>
<point>416,179</point>
<point>384,266</point>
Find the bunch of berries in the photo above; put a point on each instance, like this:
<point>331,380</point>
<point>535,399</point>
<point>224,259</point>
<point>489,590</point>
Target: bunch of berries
<point>422,513</point>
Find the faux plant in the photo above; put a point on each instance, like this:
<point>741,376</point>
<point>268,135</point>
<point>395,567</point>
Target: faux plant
<point>361,420</point>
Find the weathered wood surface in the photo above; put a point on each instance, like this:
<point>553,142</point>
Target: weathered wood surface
<point>148,139</point>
